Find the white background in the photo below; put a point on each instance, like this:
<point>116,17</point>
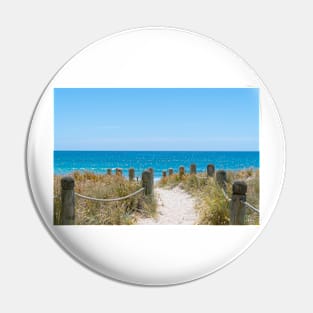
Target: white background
<point>37,37</point>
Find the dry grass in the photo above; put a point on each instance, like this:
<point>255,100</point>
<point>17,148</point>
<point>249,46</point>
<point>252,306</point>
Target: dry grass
<point>88,212</point>
<point>211,204</point>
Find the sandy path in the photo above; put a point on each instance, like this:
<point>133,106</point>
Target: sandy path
<point>175,207</point>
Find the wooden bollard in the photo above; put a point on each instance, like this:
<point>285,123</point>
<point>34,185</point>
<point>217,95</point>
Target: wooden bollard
<point>151,170</point>
<point>181,171</point>
<point>193,169</point>
<point>147,183</point>
<point>237,208</point>
<point>164,174</point>
<point>109,171</point>
<point>67,200</point>
<point>170,171</point>
<point>131,174</point>
<point>210,169</point>
<point>221,178</point>
<point>119,171</point>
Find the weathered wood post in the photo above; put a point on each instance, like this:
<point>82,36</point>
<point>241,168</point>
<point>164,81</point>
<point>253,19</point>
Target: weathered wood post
<point>221,178</point>
<point>181,171</point>
<point>147,182</point>
<point>237,208</point>
<point>119,171</point>
<point>131,174</point>
<point>170,171</point>
<point>67,200</point>
<point>193,169</point>
<point>151,170</point>
<point>210,169</point>
<point>109,171</point>
<point>164,174</point>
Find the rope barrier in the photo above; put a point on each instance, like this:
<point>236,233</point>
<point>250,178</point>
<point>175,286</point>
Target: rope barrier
<point>201,176</point>
<point>225,195</point>
<point>243,202</point>
<point>250,206</point>
<point>110,200</point>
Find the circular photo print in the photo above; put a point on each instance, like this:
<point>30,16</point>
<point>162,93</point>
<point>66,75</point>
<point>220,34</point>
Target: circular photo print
<point>155,156</point>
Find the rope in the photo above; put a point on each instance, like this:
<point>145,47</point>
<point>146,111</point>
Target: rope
<point>110,200</point>
<point>225,195</point>
<point>201,176</point>
<point>243,202</point>
<point>250,206</point>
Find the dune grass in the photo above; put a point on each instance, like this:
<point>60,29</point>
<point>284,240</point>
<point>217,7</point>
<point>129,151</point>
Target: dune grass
<point>213,208</point>
<point>88,212</point>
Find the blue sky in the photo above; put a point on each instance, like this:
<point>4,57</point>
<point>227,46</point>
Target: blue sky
<point>194,119</point>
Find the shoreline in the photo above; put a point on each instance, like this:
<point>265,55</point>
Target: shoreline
<point>156,178</point>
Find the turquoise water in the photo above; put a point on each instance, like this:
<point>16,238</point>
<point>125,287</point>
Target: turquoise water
<point>99,161</point>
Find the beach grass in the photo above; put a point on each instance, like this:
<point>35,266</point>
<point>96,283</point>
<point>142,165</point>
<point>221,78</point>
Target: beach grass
<point>211,204</point>
<point>88,212</point>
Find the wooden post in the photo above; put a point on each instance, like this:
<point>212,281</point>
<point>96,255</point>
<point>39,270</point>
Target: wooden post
<point>193,169</point>
<point>170,171</point>
<point>181,171</point>
<point>109,171</point>
<point>119,171</point>
<point>67,200</point>
<point>221,178</point>
<point>164,174</point>
<point>237,208</point>
<point>131,174</point>
<point>210,169</point>
<point>147,182</point>
<point>151,170</point>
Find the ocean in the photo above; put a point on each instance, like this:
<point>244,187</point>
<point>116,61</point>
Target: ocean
<point>66,162</point>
